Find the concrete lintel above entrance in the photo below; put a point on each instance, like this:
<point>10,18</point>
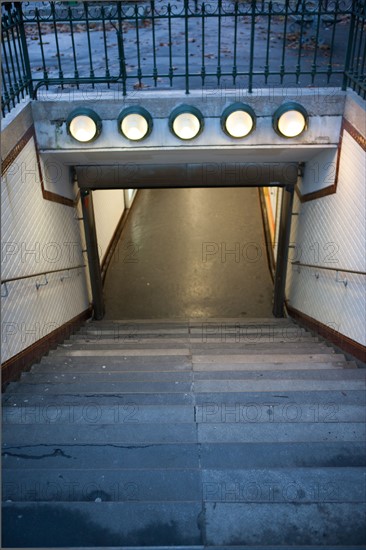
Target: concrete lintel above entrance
<point>186,175</point>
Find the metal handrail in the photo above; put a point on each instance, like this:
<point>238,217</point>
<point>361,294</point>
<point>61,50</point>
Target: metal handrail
<point>329,268</point>
<point>3,281</point>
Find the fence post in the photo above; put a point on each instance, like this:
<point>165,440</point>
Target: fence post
<point>252,42</point>
<point>93,254</point>
<point>23,39</point>
<point>282,254</point>
<point>349,46</point>
<point>186,49</point>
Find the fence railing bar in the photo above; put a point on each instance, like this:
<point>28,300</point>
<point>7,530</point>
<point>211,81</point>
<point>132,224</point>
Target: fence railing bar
<point>308,51</point>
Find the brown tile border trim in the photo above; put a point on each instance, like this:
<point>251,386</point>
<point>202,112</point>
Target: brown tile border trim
<point>331,189</point>
<point>17,149</point>
<point>343,342</point>
<point>13,367</point>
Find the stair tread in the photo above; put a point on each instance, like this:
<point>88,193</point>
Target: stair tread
<point>77,365</point>
<point>140,523</point>
<point>104,375</point>
<point>144,433</point>
<point>162,428</point>
<point>301,485</point>
<point>224,456</point>
<point>118,398</point>
<point>200,386</point>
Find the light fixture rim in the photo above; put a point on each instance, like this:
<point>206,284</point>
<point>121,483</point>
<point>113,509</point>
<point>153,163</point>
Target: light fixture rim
<point>180,110</point>
<point>85,111</point>
<point>232,108</point>
<point>285,108</point>
<point>135,110</point>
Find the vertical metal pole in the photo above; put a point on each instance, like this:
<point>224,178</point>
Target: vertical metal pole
<point>23,40</point>
<point>93,255</point>
<point>282,253</point>
<point>186,30</point>
<point>349,49</point>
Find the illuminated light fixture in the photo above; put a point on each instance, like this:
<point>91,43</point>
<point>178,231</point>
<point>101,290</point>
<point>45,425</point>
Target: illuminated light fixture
<point>186,122</point>
<point>290,120</point>
<point>84,125</point>
<point>135,123</point>
<point>238,120</point>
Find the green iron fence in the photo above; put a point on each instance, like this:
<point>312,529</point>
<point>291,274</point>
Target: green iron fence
<point>187,44</point>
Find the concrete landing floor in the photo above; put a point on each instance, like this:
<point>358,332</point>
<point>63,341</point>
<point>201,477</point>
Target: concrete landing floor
<point>191,253</point>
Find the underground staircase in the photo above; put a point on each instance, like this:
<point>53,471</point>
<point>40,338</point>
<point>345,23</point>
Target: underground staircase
<point>186,434</point>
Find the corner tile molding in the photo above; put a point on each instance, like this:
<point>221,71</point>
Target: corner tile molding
<point>13,368</point>
<point>17,149</point>
<point>345,343</point>
<point>331,189</point>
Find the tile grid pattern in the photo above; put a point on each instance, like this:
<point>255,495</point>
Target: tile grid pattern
<point>38,236</point>
<point>331,232</point>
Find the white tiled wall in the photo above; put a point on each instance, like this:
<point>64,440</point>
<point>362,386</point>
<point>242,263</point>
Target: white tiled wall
<point>331,232</point>
<point>108,208</point>
<point>37,236</point>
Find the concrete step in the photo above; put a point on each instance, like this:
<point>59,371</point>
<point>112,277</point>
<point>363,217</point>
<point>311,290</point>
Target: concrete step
<point>113,485</point>
<point>320,454</point>
<point>293,374</point>
<point>35,377</point>
<point>223,348</point>
<point>78,457</point>
<point>328,523</point>
<point>123,352</point>
<point>191,321</point>
<point>204,329</point>
<point>280,384</point>
<point>97,363</point>
<point>167,348</point>
<point>185,523</point>
<point>200,386</point>
<point>92,413</point>
<point>226,547</point>
<point>212,368</point>
<point>276,358</point>
<point>78,365</point>
<point>224,456</point>
<point>38,399</point>
<point>280,432</point>
<point>301,485</point>
<point>101,524</point>
<point>274,413</point>
<point>253,339</point>
<point>128,433</point>
<point>142,433</point>
<point>297,485</point>
<point>102,387</point>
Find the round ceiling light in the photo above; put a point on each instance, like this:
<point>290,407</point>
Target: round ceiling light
<point>186,122</point>
<point>238,120</point>
<point>84,125</point>
<point>290,120</point>
<point>135,123</point>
